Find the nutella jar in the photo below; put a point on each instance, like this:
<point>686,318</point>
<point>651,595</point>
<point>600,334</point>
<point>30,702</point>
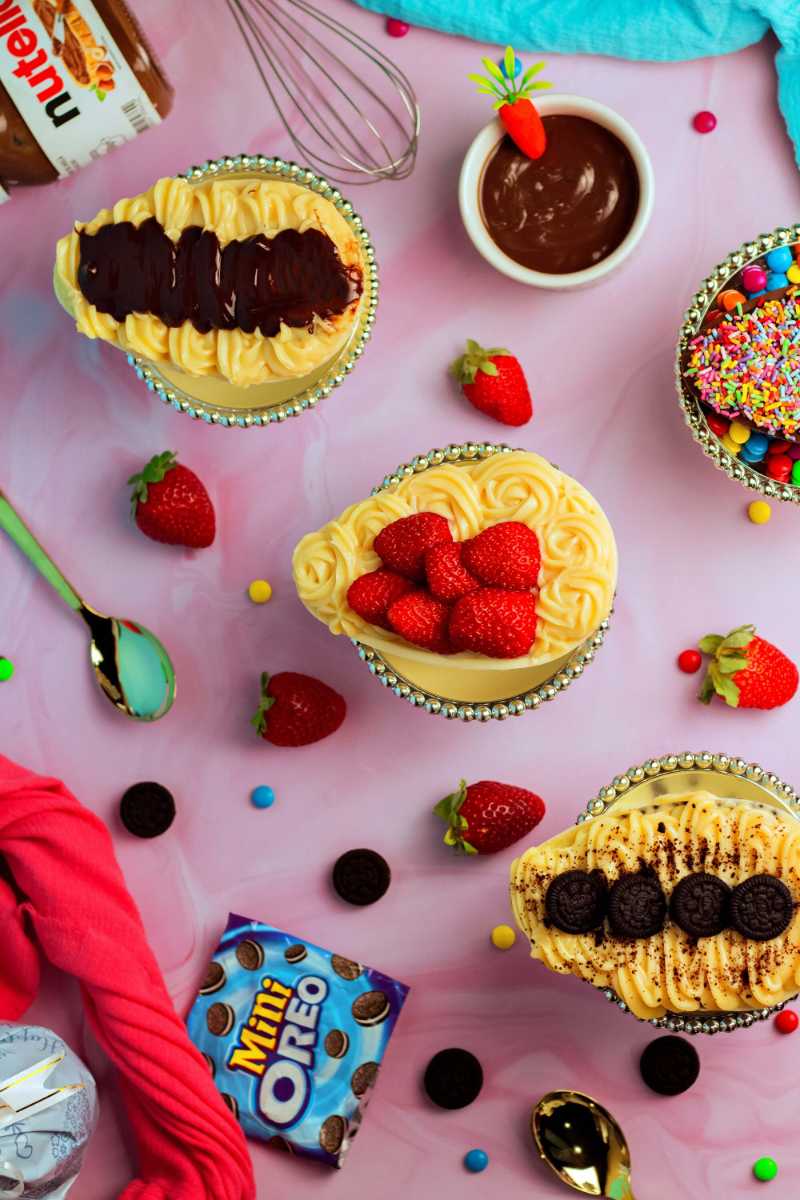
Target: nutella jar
<point>77,78</point>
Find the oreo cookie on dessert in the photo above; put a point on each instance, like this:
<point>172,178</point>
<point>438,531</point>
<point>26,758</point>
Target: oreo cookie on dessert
<point>361,876</point>
<point>267,996</point>
<point>669,1065</point>
<point>577,901</point>
<point>700,905</point>
<point>637,907</point>
<point>761,907</point>
<point>231,1103</point>
<point>453,1078</point>
<point>147,809</point>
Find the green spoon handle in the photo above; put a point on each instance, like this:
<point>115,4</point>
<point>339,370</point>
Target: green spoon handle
<point>19,533</point>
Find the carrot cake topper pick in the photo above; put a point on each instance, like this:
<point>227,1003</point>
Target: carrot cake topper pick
<point>513,101</point>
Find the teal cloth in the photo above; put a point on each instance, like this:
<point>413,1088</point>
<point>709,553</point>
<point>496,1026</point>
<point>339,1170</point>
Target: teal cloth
<point>653,30</point>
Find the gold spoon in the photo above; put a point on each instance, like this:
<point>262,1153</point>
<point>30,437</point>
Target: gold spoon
<point>130,664</point>
<point>582,1144</point>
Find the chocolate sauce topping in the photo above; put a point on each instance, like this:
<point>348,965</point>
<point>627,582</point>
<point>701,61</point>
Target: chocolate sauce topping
<point>252,284</point>
<point>568,209</point>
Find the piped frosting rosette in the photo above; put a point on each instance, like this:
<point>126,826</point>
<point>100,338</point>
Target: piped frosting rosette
<point>234,209</point>
<point>578,573</point>
<point>670,971</point>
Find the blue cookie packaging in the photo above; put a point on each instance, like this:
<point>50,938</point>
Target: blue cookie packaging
<point>294,1037</point>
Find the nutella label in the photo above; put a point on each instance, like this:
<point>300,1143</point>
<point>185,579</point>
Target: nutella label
<point>69,81</point>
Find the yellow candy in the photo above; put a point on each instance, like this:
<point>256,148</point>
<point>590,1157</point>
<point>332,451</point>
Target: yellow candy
<point>793,274</point>
<point>730,445</point>
<point>759,512</point>
<point>259,591</point>
<point>739,432</point>
<point>503,937</point>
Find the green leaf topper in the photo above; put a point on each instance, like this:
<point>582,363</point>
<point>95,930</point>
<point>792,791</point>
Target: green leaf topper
<point>506,89</point>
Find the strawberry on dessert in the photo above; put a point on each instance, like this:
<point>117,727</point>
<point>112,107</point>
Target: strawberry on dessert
<point>506,555</point>
<point>448,578</point>
<point>402,545</point>
<point>494,622</point>
<point>171,505</point>
<point>494,383</point>
<point>296,710</point>
<point>373,594</point>
<point>422,620</point>
<point>747,671</point>
<point>488,816</point>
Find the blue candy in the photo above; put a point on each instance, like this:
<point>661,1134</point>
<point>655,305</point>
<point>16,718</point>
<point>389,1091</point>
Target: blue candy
<point>476,1160</point>
<point>755,448</point>
<point>780,260</point>
<point>753,295</point>
<point>262,797</point>
<point>776,280</point>
<point>517,68</point>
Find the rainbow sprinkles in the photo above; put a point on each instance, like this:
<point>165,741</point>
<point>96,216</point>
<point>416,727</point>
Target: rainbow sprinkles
<point>749,365</point>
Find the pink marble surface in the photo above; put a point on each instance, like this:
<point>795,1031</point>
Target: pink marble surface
<point>76,424</point>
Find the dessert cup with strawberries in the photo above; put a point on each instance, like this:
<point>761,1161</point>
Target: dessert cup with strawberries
<point>676,893</point>
<point>242,293</point>
<point>476,581</point>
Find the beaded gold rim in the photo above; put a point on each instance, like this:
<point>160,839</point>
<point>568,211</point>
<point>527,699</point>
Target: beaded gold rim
<point>345,360</point>
<point>500,710</point>
<point>718,764</point>
<point>694,416</point>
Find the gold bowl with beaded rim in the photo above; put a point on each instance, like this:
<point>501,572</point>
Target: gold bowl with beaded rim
<point>723,776</point>
<point>508,693</point>
<point>722,277</point>
<point>218,402</point>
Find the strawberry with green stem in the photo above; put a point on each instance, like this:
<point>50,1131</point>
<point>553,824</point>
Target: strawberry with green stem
<point>513,101</point>
<point>747,671</point>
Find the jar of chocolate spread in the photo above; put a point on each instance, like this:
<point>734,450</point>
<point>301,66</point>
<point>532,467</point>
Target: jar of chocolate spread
<point>77,78</point>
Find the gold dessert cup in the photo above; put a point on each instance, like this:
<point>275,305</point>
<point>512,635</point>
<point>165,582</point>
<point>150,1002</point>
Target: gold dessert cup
<point>723,776</point>
<point>467,693</point>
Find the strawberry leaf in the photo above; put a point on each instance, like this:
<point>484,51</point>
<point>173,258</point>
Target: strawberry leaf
<point>259,720</point>
<point>488,368</point>
<point>707,689</point>
<point>740,637</point>
<point>730,664</point>
<point>710,643</point>
<point>725,687</point>
<point>152,472</point>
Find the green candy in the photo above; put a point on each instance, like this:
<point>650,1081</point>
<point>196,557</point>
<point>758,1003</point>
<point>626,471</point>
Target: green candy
<point>765,1169</point>
<point>796,471</point>
<point>6,669</point>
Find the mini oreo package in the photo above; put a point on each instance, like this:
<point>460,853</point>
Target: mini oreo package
<point>294,1037</point>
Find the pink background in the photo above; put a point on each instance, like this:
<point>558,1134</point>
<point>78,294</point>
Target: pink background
<point>77,423</point>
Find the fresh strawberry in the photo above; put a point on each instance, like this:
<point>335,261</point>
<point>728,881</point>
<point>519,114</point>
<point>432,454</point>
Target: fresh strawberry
<point>170,504</point>
<point>447,578</point>
<point>402,544</point>
<point>422,620</point>
<point>494,383</point>
<point>505,555</point>
<point>296,710</point>
<point>494,622</point>
<point>486,817</point>
<point>747,671</point>
<point>372,595</point>
<point>512,101</point>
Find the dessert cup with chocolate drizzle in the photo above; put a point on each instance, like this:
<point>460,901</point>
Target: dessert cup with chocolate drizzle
<point>570,217</point>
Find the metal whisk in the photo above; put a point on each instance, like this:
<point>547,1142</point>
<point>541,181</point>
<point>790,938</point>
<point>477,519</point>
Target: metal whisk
<point>349,110</point>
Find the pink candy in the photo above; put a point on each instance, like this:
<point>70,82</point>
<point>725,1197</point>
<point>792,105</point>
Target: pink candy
<point>396,28</point>
<point>754,278</point>
<point>704,122</point>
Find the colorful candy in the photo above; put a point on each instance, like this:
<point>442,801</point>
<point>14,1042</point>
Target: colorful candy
<point>476,1161</point>
<point>787,1021</point>
<point>396,28</point>
<point>689,661</point>
<point>765,1169</point>
<point>779,259</point>
<point>776,280</point>
<point>704,122</point>
<point>718,424</point>
<point>259,591</point>
<point>262,796</point>
<point>754,278</point>
<point>730,298</point>
<point>793,274</point>
<point>503,937</point>
<point>759,512</point>
<point>739,433</point>
<point>730,445</point>
<point>796,472</point>
<point>6,669</point>
<point>755,448</point>
<point>779,467</point>
<point>501,62</point>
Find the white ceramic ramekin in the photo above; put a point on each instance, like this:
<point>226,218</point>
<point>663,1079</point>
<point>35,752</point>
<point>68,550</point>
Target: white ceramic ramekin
<point>470,184</point>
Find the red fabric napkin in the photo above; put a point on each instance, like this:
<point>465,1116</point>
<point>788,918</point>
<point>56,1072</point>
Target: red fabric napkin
<point>86,923</point>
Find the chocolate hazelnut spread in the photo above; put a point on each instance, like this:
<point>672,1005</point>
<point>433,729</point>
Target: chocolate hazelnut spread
<point>570,208</point>
<point>76,79</point>
<point>257,283</point>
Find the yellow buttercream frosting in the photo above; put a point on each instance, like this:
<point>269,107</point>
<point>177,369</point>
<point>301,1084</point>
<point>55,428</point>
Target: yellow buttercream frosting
<point>234,209</point>
<point>670,972</point>
<point>579,555</point>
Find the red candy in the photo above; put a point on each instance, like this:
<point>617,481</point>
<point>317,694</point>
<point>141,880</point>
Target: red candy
<point>787,1021</point>
<point>754,278</point>
<point>704,122</point>
<point>396,28</point>
<point>779,467</point>
<point>777,447</point>
<point>717,424</point>
<point>689,661</point>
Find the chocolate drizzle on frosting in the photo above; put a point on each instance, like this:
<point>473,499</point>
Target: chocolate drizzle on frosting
<point>260,283</point>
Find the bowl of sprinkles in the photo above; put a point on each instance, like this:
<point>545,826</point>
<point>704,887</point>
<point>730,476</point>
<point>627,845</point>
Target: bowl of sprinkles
<point>737,365</point>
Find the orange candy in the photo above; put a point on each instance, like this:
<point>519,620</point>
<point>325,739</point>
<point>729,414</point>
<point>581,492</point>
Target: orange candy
<point>729,299</point>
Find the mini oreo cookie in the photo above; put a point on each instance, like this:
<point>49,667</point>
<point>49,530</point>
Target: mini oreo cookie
<point>331,1134</point>
<point>370,1008</point>
<point>337,1043</point>
<point>361,876</point>
<point>250,955</point>
<point>147,809</point>
<point>214,980</point>
<point>219,1019</point>
<point>700,905</point>
<point>364,1078</point>
<point>296,953</point>
<point>276,1142</point>
<point>576,901</point>
<point>212,1066</point>
<point>345,968</point>
<point>637,907</point>
<point>232,1103</point>
<point>669,1065</point>
<point>453,1078</point>
<point>761,907</point>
